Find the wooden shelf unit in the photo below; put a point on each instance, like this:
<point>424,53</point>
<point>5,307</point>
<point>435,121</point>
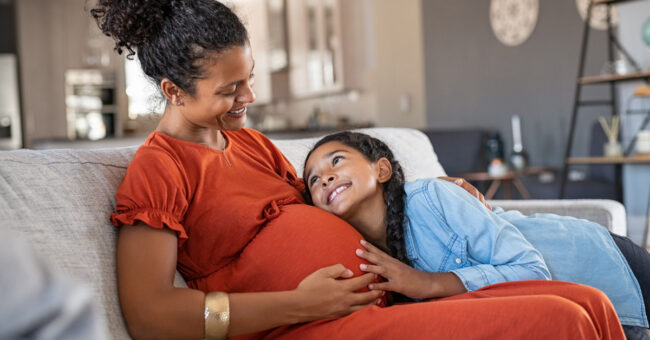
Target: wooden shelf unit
<point>613,45</point>
<point>614,78</point>
<point>637,159</point>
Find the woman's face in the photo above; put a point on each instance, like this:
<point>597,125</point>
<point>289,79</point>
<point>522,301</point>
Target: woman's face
<point>340,179</point>
<point>222,95</point>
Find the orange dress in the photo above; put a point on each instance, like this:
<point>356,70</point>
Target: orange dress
<point>242,226</point>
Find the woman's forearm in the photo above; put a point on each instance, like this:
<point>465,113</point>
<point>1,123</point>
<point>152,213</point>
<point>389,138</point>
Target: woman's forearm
<point>178,314</point>
<point>254,312</point>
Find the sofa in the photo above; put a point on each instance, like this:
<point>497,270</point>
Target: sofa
<point>60,200</point>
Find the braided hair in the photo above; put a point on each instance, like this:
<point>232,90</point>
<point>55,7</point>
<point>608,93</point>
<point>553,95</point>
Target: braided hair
<point>173,38</point>
<point>373,149</point>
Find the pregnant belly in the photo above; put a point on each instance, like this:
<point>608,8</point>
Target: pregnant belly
<point>299,241</point>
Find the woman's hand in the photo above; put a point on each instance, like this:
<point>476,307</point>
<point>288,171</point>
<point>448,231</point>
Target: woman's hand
<point>330,292</point>
<point>400,277</point>
<point>461,182</point>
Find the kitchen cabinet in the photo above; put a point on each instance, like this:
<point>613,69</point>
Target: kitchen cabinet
<point>300,47</point>
<point>315,48</point>
<point>91,105</point>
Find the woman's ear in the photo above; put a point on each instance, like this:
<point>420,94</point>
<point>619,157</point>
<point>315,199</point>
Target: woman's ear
<point>171,91</point>
<point>385,170</point>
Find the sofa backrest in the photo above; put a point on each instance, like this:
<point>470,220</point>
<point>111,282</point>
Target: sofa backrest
<point>60,200</point>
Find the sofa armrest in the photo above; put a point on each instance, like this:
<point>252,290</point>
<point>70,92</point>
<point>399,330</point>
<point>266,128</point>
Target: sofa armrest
<point>608,213</point>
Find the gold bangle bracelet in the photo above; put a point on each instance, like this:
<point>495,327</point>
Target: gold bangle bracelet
<point>217,315</point>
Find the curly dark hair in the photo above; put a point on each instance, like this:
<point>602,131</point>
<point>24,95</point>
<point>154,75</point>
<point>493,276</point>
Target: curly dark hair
<point>373,149</point>
<point>173,38</point>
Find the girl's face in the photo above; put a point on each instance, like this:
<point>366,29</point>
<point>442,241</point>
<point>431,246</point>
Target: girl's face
<point>342,181</point>
<point>221,97</point>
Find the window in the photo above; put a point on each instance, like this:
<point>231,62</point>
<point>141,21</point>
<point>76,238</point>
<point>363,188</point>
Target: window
<point>144,96</point>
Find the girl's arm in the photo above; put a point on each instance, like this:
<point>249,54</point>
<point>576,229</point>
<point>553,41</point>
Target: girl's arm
<point>461,182</point>
<point>405,279</point>
<point>494,250</point>
<point>154,308</point>
<point>486,249</point>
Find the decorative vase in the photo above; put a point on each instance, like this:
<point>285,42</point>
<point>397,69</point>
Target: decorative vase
<point>494,147</point>
<point>643,142</point>
<point>612,149</point>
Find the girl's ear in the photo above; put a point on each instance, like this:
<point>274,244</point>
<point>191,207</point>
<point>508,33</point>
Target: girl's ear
<point>385,170</point>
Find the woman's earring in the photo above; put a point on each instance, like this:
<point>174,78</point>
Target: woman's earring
<point>179,103</point>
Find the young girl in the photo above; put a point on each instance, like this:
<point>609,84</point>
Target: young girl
<point>454,243</point>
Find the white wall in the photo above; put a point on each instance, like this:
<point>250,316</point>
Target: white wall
<point>399,73</point>
<point>36,67</point>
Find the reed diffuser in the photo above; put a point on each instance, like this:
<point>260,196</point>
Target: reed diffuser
<point>612,148</point>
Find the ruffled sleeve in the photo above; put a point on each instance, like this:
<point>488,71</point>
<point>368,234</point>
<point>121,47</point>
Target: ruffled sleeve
<point>153,191</point>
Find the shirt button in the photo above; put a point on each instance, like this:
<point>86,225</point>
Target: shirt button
<point>458,260</point>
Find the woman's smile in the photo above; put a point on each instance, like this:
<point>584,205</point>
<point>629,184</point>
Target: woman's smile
<point>238,113</point>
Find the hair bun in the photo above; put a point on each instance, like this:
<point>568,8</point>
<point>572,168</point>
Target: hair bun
<point>131,23</point>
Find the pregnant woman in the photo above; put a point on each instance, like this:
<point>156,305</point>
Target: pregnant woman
<point>221,204</point>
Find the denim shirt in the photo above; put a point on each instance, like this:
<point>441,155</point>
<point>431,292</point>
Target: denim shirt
<point>449,230</point>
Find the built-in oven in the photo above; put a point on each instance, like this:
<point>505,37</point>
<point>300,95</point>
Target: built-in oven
<point>10,129</point>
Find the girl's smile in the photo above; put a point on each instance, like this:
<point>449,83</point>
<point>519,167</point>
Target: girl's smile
<point>336,192</point>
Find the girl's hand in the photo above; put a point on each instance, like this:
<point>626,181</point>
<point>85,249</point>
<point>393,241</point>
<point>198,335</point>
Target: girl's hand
<point>330,292</point>
<point>400,277</point>
<point>461,182</point>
